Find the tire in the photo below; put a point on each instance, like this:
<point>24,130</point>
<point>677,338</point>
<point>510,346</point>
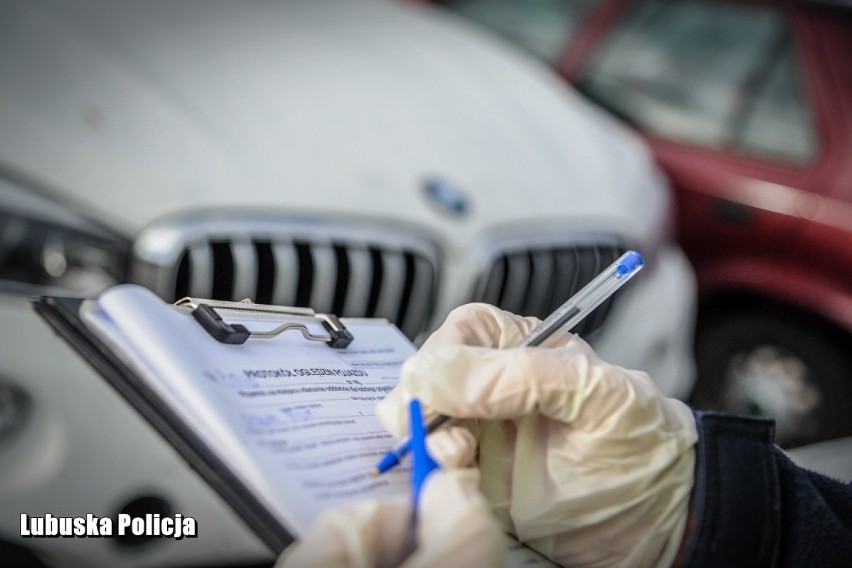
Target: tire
<point>773,365</point>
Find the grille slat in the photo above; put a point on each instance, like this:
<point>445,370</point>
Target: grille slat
<point>541,281</point>
<point>360,276</point>
<point>200,270</point>
<point>392,282</point>
<point>567,275</point>
<point>535,280</point>
<point>324,278</point>
<point>286,274</point>
<point>223,269</point>
<point>495,283</point>
<point>517,282</point>
<point>407,286</point>
<point>265,272</point>
<point>244,258</point>
<point>421,296</point>
<point>179,276</point>
<point>342,284</point>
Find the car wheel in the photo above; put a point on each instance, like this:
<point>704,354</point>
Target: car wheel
<point>770,365</point>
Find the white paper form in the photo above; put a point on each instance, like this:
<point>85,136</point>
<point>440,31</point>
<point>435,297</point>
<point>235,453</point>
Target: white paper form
<point>293,418</point>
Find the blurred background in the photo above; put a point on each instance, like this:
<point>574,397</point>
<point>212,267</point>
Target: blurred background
<point>396,159</point>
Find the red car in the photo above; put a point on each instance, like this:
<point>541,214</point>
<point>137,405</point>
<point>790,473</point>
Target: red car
<point>748,108</point>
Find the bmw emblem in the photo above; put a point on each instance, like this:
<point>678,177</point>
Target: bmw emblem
<point>446,196</point>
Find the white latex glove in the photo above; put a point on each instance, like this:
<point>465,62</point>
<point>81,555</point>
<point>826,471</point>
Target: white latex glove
<point>455,528</point>
<point>586,462</point>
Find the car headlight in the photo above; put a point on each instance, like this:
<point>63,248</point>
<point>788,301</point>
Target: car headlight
<point>47,247</point>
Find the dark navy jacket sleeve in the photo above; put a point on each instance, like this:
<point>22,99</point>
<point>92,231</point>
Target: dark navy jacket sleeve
<point>753,507</point>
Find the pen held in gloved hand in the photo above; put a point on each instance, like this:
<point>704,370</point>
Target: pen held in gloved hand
<point>422,466</point>
<point>565,318</point>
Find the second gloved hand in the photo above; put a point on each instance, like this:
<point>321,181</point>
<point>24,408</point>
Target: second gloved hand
<point>584,461</point>
<point>454,529</point>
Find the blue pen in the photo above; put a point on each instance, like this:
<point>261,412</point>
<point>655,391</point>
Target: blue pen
<point>394,456</point>
<point>564,318</point>
<point>422,466</point>
<point>422,462</point>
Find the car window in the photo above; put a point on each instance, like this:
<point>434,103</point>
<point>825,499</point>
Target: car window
<point>542,27</point>
<point>712,73</point>
<point>779,123</point>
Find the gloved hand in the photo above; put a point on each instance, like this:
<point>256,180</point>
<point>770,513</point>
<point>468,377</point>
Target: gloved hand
<point>586,462</point>
<point>454,528</point>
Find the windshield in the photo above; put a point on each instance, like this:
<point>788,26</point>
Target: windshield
<point>542,27</point>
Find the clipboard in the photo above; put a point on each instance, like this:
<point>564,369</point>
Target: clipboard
<point>65,316</point>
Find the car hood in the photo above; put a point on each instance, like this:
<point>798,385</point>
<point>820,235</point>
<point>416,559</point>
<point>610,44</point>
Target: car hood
<point>139,110</point>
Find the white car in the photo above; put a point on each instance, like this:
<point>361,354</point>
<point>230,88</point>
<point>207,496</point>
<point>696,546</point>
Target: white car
<point>364,158</point>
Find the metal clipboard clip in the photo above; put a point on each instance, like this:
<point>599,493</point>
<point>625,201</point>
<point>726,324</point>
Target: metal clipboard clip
<point>204,312</point>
